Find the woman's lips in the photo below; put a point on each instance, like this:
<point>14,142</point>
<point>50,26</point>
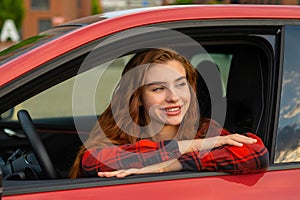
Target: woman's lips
<point>172,111</point>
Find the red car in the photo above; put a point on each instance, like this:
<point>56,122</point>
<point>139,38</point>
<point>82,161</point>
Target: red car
<point>64,78</point>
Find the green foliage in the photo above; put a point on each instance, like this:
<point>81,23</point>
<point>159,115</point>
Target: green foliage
<point>22,44</point>
<point>183,2</point>
<point>96,9</point>
<point>12,9</point>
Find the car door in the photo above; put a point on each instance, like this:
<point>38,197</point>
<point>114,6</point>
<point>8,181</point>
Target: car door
<point>85,75</point>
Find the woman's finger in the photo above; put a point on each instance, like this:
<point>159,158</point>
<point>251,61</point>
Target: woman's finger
<point>109,174</point>
<point>237,140</point>
<point>233,142</point>
<point>243,139</point>
<point>125,173</point>
<point>118,173</point>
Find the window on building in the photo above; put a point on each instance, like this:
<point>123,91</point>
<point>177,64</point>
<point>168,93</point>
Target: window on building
<point>40,4</point>
<point>44,24</point>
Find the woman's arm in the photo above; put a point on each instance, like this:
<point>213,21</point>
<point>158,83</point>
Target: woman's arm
<point>167,166</point>
<point>248,158</point>
<point>234,158</point>
<point>146,153</point>
<point>225,138</point>
<point>138,155</point>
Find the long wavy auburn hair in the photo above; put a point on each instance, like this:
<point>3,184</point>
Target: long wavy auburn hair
<point>112,129</point>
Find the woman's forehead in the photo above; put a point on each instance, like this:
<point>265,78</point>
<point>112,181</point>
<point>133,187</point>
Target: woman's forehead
<point>169,71</point>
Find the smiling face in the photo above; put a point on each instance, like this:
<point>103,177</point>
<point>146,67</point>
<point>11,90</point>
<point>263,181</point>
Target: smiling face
<point>166,96</point>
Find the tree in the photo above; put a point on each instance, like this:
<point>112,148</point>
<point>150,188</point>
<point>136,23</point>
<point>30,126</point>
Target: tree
<point>12,9</point>
<point>183,2</point>
<point>96,9</point>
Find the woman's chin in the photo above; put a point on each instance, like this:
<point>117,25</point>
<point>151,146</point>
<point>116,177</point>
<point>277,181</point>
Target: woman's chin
<point>173,122</point>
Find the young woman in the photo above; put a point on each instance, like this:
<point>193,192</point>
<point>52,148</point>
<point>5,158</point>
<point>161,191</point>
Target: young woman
<point>153,125</point>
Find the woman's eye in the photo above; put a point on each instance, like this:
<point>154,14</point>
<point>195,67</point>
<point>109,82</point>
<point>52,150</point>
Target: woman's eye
<point>181,84</point>
<point>157,89</point>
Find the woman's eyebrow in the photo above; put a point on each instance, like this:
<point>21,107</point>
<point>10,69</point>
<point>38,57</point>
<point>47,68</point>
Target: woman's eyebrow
<point>180,78</point>
<point>156,83</point>
<point>162,82</point>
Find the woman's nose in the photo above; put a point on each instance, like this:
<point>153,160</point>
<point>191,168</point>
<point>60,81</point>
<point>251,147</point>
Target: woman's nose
<point>171,96</point>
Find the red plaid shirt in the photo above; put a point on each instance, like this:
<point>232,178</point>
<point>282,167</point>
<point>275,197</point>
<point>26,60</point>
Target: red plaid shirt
<point>246,159</point>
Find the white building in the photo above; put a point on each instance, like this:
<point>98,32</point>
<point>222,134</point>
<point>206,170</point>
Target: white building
<point>113,5</point>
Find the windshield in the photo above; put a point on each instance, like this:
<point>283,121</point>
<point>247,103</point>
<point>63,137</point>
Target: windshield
<point>33,42</point>
<point>46,36</point>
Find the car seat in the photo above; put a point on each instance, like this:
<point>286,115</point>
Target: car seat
<point>210,91</point>
<point>245,91</point>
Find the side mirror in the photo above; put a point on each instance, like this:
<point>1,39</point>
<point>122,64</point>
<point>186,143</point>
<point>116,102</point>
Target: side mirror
<point>8,114</point>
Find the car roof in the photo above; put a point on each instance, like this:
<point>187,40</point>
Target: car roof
<point>87,29</point>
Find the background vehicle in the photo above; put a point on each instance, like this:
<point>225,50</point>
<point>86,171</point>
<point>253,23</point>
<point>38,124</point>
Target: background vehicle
<point>256,52</point>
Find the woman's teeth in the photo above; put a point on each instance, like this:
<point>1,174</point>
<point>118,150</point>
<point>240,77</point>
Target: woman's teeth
<point>172,109</point>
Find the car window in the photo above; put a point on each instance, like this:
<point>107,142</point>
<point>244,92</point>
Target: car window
<point>288,136</point>
<point>222,62</point>
<point>57,101</point>
<point>33,42</point>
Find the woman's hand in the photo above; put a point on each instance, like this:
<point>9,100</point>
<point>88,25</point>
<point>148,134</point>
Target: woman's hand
<point>120,173</point>
<point>238,140</point>
<point>235,140</point>
<point>232,139</point>
<point>168,166</point>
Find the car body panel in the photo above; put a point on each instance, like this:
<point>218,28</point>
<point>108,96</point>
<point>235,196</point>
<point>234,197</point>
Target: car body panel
<point>271,185</point>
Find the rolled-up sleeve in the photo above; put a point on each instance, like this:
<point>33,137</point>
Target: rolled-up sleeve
<point>236,160</point>
<point>138,155</point>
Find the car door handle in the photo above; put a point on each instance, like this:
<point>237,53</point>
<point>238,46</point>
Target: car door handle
<point>12,133</point>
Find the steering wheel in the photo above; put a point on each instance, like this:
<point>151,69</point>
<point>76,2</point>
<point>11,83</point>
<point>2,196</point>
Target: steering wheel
<point>37,145</point>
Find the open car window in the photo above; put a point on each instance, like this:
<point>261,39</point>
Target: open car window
<point>238,66</point>
<point>56,102</point>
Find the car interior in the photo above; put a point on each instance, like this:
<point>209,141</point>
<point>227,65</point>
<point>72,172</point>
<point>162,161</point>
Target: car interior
<point>51,144</point>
